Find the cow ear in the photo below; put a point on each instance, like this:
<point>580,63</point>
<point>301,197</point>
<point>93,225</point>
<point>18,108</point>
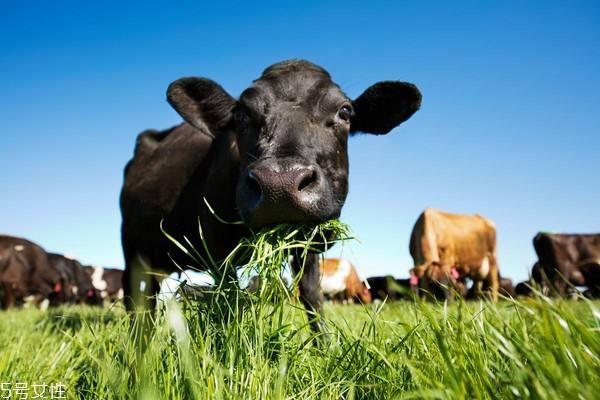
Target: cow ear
<point>384,106</point>
<point>201,102</point>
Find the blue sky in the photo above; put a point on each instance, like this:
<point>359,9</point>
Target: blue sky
<point>509,126</point>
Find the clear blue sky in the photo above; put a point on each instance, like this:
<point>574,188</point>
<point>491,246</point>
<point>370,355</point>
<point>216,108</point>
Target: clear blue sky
<point>509,127</point>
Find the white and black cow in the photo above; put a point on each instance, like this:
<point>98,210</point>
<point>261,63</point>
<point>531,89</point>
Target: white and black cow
<point>340,282</point>
<point>108,282</point>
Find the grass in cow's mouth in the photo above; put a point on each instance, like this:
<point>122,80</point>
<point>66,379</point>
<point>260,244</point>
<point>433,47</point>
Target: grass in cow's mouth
<point>264,256</point>
<point>267,250</point>
<point>271,247</point>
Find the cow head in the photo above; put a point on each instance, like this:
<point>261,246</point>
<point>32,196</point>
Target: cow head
<point>438,280</point>
<point>92,297</point>
<point>291,128</point>
<point>364,294</point>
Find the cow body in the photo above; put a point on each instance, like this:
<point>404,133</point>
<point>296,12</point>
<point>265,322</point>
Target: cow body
<point>568,259</point>
<point>448,248</point>
<point>277,154</point>
<point>75,285</point>
<point>25,273</point>
<point>340,282</point>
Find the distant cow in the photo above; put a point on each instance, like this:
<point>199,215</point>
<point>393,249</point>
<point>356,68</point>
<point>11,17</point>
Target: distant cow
<point>75,285</point>
<point>387,287</point>
<point>524,288</point>
<point>25,273</point>
<point>448,248</point>
<point>255,285</point>
<point>568,259</point>
<point>107,281</point>
<point>340,281</point>
<point>506,289</point>
<point>277,154</point>
<point>535,281</point>
<point>537,275</point>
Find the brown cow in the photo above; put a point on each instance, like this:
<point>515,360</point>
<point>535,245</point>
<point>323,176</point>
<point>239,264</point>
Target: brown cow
<point>339,281</point>
<point>448,248</point>
<point>567,260</point>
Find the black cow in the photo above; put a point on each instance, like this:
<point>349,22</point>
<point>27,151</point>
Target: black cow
<point>568,259</point>
<point>277,154</point>
<point>25,273</point>
<point>535,281</point>
<point>387,287</point>
<point>75,285</point>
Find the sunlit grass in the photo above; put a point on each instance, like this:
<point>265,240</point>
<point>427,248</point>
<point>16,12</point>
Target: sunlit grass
<point>532,349</point>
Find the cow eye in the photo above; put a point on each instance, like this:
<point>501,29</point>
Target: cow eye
<point>345,112</point>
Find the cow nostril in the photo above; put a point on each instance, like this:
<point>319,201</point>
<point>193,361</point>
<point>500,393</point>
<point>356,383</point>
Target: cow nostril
<point>253,187</point>
<point>307,180</point>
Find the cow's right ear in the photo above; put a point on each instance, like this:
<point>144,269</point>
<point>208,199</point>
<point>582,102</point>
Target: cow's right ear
<point>202,103</point>
<point>384,106</point>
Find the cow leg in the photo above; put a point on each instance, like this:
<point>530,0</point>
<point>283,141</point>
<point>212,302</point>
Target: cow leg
<point>490,283</point>
<point>310,290</point>
<point>425,288</point>
<point>8,296</point>
<point>131,287</point>
<point>140,290</point>
<point>594,290</point>
<point>494,279</point>
<point>152,291</point>
<point>477,288</point>
<point>560,284</point>
<point>140,286</point>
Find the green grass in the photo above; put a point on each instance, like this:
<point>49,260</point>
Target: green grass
<point>533,349</point>
<point>235,345</point>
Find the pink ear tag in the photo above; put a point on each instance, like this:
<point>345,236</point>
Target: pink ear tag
<point>454,273</point>
<point>414,281</point>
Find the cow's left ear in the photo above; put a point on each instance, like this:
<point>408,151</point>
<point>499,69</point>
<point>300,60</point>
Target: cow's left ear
<point>384,106</point>
<point>202,103</point>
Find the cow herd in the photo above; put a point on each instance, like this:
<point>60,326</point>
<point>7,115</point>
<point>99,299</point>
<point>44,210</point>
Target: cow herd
<point>31,275</point>
<point>455,255</point>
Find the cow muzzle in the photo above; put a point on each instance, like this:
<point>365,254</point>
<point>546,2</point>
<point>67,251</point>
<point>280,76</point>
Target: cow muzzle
<point>271,193</point>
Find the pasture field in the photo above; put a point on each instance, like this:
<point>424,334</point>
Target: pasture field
<point>537,348</point>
